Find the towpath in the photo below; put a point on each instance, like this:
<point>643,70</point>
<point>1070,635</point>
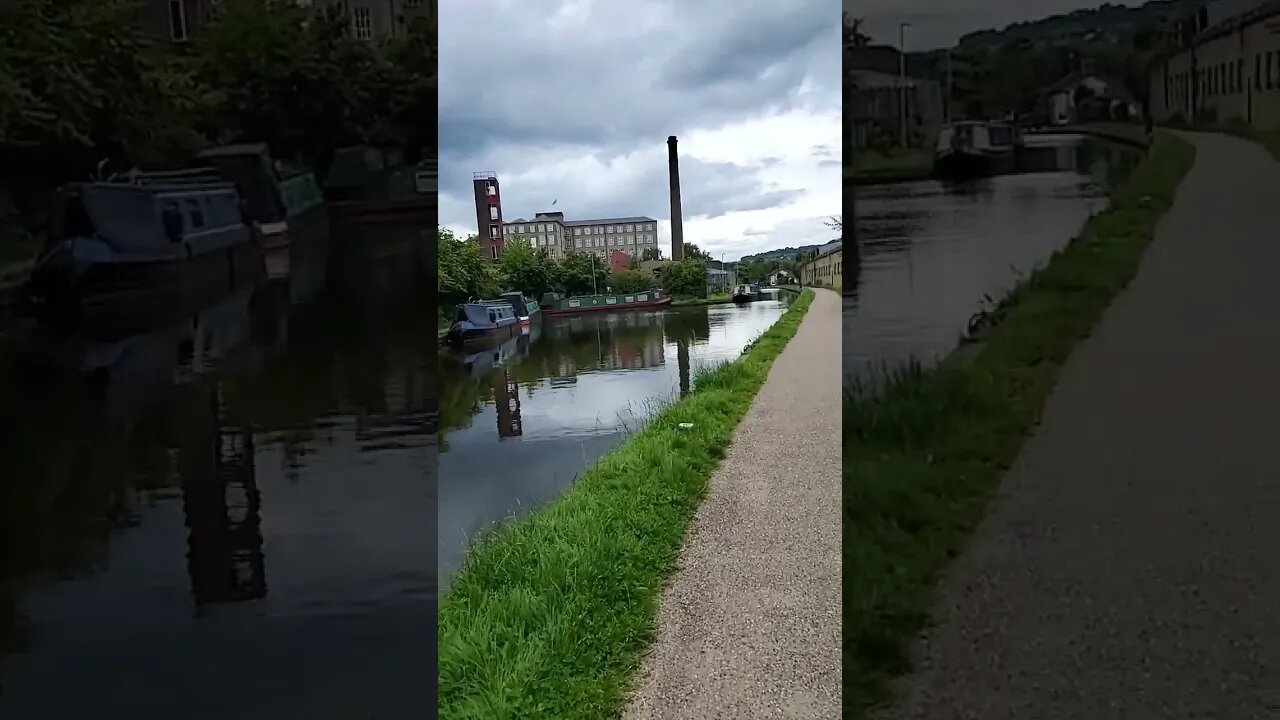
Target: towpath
<point>750,625</point>
<point>1128,566</point>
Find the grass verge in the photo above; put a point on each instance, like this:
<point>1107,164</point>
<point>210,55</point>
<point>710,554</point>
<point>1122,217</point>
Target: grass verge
<point>924,452</point>
<point>550,615</point>
<point>713,299</point>
<point>895,166</point>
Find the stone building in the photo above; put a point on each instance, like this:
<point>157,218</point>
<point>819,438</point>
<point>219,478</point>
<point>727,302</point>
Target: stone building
<point>1228,74</point>
<point>826,268</point>
<point>632,235</point>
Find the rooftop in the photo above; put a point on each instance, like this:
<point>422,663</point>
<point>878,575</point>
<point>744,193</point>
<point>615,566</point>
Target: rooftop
<point>610,221</point>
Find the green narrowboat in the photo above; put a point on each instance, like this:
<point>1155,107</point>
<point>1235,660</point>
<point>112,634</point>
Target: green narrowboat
<point>553,304</point>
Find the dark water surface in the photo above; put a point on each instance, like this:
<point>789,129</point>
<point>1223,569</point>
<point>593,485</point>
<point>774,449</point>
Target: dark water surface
<point>932,251</point>
<point>519,423</point>
<point>187,511</point>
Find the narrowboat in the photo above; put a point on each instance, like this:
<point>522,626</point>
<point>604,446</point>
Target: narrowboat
<point>366,183</point>
<point>483,321</point>
<point>109,240</point>
<point>743,294</point>
<point>976,149</point>
<point>553,304</point>
<point>527,309</point>
<point>281,201</point>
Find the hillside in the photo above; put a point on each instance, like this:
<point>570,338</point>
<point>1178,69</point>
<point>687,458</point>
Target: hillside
<point>1105,20</point>
<point>781,254</point>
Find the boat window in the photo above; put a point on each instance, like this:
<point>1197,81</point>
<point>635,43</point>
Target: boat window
<point>196,213</point>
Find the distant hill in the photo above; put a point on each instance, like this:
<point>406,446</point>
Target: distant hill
<point>1105,20</point>
<point>782,254</point>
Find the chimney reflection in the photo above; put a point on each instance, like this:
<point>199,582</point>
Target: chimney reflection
<point>222,506</point>
<point>506,400</point>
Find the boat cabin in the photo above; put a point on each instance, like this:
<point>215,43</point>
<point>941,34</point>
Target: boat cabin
<point>148,219</point>
<point>485,313</point>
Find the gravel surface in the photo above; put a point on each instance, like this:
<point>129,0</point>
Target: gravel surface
<point>1128,567</point>
<point>750,625</point>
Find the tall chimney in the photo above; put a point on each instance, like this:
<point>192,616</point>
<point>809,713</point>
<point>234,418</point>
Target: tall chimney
<point>677,225</point>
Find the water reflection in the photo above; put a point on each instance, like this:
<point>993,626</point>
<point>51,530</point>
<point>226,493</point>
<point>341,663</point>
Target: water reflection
<point>931,251</point>
<point>520,421</point>
<point>190,506</point>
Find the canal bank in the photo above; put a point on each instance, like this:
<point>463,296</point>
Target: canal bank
<point>550,614</point>
<point>925,451</point>
<point>749,625</point>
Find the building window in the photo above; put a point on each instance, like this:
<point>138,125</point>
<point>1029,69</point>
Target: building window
<point>177,21</point>
<point>599,230</point>
<point>609,229</point>
<point>493,251</point>
<point>577,231</point>
<point>363,18</point>
<point>631,228</point>
<point>493,231</point>
<point>491,190</point>
<point>493,213</point>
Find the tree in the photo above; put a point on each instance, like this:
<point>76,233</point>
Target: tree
<point>651,253</point>
<point>686,278</point>
<point>631,281</point>
<point>526,268</point>
<point>693,252</point>
<point>576,272</point>
<point>464,272</point>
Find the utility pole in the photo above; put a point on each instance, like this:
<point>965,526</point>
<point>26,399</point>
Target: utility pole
<point>902,80</point>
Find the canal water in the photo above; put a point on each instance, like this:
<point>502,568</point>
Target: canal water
<point>519,423</point>
<point>225,510</point>
<point>932,251</point>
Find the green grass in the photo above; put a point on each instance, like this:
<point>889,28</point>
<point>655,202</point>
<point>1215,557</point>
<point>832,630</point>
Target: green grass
<point>550,615</point>
<point>895,166</point>
<point>924,450</point>
<point>1271,141</point>
<point>713,299</point>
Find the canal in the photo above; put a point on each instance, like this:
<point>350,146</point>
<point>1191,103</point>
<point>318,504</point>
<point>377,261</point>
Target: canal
<point>933,252</point>
<point>519,423</point>
<point>224,510</point>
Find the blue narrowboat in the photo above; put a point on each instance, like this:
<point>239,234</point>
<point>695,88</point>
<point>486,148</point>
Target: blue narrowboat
<point>483,321</point>
<point>109,239</point>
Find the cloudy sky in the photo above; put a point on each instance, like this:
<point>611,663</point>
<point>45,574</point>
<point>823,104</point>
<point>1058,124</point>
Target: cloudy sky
<point>940,23</point>
<point>572,101</point>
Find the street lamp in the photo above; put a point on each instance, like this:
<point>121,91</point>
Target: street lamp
<point>902,80</point>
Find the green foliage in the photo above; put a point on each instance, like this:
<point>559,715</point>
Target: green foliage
<point>686,278</point>
<point>550,615</point>
<point>81,82</point>
<point>575,274</point>
<point>630,281</point>
<point>693,252</point>
<point>651,253</point>
<point>526,268</point>
<point>925,450</point>
<point>464,272</point>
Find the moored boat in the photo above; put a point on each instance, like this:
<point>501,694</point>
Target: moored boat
<point>111,240</point>
<point>366,183</point>
<point>976,149</point>
<point>743,294</point>
<point>527,309</point>
<point>483,321</point>
<point>553,304</point>
<point>281,201</point>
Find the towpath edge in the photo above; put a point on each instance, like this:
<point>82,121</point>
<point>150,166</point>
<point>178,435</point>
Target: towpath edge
<point>750,624</point>
<point>1126,569</point>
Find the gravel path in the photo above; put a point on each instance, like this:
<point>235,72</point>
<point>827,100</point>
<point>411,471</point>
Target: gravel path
<point>750,625</point>
<point>1128,567</point>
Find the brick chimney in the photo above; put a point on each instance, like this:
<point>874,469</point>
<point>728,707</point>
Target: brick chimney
<point>677,225</point>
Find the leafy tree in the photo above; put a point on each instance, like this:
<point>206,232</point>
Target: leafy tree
<point>651,253</point>
<point>464,272</point>
<point>693,252</point>
<point>526,268</point>
<point>576,272</point>
<point>630,281</point>
<point>686,278</point>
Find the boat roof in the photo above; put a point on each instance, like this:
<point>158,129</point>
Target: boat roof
<point>235,150</point>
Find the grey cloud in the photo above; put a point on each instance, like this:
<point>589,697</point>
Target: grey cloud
<point>518,90</point>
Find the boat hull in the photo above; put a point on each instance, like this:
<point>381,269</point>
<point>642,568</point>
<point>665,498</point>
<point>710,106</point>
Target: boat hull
<point>62,289</point>
<point>647,305</point>
<point>472,337</point>
<point>966,165</point>
<point>743,299</point>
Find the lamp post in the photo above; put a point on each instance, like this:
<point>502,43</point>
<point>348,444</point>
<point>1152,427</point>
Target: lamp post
<point>902,80</point>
